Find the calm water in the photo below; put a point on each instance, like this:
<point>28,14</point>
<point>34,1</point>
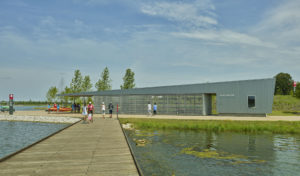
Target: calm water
<point>17,135</point>
<point>28,108</point>
<point>210,154</point>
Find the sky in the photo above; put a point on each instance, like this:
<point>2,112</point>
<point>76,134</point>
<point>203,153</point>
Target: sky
<point>164,42</point>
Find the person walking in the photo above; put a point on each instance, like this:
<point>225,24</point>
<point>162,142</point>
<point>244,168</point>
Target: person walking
<point>90,112</point>
<point>154,109</point>
<point>110,108</point>
<point>84,112</point>
<point>149,109</point>
<point>78,107</point>
<point>103,110</point>
<point>49,108</point>
<point>57,107</point>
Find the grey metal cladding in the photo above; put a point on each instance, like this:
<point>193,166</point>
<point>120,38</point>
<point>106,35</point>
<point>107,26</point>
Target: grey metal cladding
<point>232,96</point>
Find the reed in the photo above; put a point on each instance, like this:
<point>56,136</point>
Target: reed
<point>276,127</point>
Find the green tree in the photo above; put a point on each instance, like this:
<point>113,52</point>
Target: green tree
<point>104,83</point>
<point>128,80</point>
<point>86,84</point>
<point>284,84</point>
<point>76,84</point>
<point>297,93</point>
<point>67,90</point>
<point>51,94</point>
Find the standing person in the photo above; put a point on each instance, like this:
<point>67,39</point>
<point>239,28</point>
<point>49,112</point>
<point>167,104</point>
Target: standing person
<point>110,107</point>
<point>103,110</point>
<point>84,112</point>
<point>49,107</point>
<point>149,109</point>
<point>90,111</point>
<point>73,107</point>
<point>78,107</point>
<point>57,108</point>
<point>154,109</point>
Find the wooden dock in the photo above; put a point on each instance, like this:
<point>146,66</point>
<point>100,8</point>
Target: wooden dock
<point>93,149</point>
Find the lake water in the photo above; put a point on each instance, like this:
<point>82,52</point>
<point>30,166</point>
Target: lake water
<point>17,135</point>
<point>28,108</point>
<point>210,154</point>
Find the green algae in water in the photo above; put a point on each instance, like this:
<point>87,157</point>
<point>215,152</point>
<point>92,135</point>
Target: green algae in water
<point>219,155</point>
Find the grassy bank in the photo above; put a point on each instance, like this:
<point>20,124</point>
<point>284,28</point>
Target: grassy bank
<point>279,127</point>
<point>286,105</point>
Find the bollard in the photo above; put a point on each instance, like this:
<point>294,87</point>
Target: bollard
<point>11,104</point>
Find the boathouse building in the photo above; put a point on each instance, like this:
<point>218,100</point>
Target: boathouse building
<point>247,97</point>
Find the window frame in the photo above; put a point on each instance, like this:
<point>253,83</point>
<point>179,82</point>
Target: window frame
<point>254,101</point>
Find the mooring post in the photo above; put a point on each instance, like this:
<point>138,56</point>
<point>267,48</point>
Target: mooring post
<point>11,104</point>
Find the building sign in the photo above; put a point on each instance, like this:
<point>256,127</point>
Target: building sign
<point>226,95</point>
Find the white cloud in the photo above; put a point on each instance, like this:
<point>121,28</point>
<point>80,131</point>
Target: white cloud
<point>226,37</point>
<point>281,24</point>
<point>199,13</point>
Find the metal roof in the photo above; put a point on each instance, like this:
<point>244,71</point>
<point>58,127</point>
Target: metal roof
<point>215,87</point>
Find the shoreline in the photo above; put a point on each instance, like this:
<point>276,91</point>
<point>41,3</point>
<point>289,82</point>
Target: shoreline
<point>61,115</point>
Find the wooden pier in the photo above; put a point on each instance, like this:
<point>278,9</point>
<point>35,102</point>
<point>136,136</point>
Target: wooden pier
<point>93,149</point>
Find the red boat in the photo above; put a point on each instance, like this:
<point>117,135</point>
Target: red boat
<point>60,109</point>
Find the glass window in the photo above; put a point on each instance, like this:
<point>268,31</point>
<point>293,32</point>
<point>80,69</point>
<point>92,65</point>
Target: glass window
<point>251,101</point>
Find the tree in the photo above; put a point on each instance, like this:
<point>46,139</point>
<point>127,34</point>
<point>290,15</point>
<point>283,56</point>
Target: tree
<point>66,91</point>
<point>104,83</point>
<point>51,94</point>
<point>284,84</point>
<point>128,80</point>
<point>76,84</point>
<point>297,93</point>
<point>86,84</point>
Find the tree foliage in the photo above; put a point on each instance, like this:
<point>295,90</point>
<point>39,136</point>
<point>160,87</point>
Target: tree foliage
<point>104,83</point>
<point>66,91</point>
<point>51,94</point>
<point>76,84</point>
<point>128,80</point>
<point>284,84</point>
<point>86,84</point>
<point>297,93</point>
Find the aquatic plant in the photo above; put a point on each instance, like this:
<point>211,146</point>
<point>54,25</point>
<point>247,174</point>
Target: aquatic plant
<point>220,155</point>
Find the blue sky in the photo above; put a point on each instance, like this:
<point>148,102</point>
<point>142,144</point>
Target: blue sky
<point>165,42</point>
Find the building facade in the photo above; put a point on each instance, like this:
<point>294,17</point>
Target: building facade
<point>248,97</point>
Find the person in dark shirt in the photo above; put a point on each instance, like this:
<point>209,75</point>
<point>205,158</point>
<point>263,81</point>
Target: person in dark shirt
<point>110,108</point>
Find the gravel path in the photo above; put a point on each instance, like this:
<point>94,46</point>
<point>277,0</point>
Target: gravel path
<point>53,119</point>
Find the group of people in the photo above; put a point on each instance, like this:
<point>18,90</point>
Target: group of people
<point>88,111</point>
<point>150,109</point>
<point>76,107</point>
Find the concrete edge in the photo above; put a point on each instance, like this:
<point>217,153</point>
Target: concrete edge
<point>139,170</point>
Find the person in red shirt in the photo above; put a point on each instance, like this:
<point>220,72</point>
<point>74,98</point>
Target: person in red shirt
<point>90,111</point>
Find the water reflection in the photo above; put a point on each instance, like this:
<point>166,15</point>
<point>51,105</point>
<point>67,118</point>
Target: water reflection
<point>191,153</point>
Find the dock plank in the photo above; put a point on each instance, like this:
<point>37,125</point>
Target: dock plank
<point>98,148</point>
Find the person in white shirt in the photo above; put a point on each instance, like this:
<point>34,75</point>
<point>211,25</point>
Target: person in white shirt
<point>84,112</point>
<point>149,109</point>
<point>103,110</point>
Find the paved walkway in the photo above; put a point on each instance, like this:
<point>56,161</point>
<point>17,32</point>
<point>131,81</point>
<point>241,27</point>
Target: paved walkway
<point>83,149</point>
<point>268,118</point>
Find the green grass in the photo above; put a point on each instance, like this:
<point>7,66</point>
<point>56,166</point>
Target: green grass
<point>286,105</point>
<point>280,127</point>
